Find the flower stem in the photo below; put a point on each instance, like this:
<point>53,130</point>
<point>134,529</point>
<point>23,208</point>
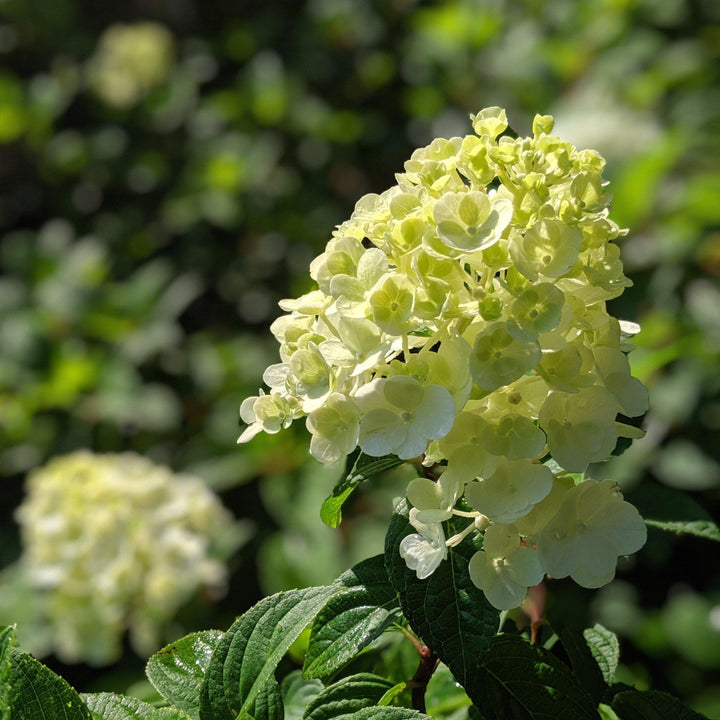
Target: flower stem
<point>418,685</point>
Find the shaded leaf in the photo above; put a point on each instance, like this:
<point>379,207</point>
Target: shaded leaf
<point>446,610</point>
<point>579,652</point>
<point>352,619</point>
<point>360,467</point>
<point>673,511</point>
<point>178,670</point>
<point>37,693</point>
<point>297,694</point>
<point>651,705</point>
<point>515,680</point>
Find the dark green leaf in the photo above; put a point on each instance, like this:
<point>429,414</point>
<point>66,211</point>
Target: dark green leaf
<point>347,696</point>
<point>39,694</point>
<point>297,694</point>
<point>352,619</point>
<point>7,642</point>
<point>579,652</point>
<point>673,511</point>
<point>246,657</point>
<point>605,648</point>
<point>651,705</point>
<point>515,680</point>
<point>109,706</point>
<point>213,705</point>
<point>268,703</point>
<point>178,670</point>
<point>447,611</point>
<point>363,468</point>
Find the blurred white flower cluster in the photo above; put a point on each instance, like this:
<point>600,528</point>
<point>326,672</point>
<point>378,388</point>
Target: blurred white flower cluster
<point>130,60</point>
<point>461,316</point>
<point>115,542</point>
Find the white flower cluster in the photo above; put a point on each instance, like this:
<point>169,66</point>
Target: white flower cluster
<point>114,542</point>
<point>460,315</point>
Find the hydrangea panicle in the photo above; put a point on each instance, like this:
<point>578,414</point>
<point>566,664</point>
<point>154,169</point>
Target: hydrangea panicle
<point>114,542</point>
<point>460,317</point>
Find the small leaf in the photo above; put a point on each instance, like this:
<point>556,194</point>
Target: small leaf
<point>651,705</point>
<point>7,642</point>
<point>37,693</point>
<point>446,610</point>
<point>298,693</point>
<point>673,511</point>
<point>246,657</point>
<point>352,619</point>
<point>178,670</point>
<point>605,648</point>
<point>361,467</point>
<point>110,706</point>
<point>520,681</point>
<point>347,696</point>
<point>392,693</point>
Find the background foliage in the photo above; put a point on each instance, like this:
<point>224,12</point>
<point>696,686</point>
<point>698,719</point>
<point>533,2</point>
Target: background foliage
<point>152,214</point>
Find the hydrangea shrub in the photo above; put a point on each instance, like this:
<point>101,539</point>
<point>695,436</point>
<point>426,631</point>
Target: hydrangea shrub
<point>460,319</point>
<point>114,542</point>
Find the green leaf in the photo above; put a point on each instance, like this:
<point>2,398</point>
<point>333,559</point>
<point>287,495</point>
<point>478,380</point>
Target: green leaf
<point>606,712</point>
<point>384,713</point>
<point>37,693</point>
<point>213,705</point>
<point>446,610</point>
<point>268,703</point>
<point>363,468</point>
<point>110,706</point>
<point>7,642</point>
<point>605,648</point>
<point>651,705</point>
<point>178,670</point>
<point>347,696</point>
<point>515,680</point>
<point>298,693</point>
<point>352,619</point>
<point>673,511</point>
<point>246,657</point>
<point>167,714</point>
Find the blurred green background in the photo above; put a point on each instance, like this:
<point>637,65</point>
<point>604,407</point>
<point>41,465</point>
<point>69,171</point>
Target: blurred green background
<point>168,169</point>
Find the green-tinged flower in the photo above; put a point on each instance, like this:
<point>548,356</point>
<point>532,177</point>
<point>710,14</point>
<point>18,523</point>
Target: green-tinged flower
<point>400,416</point>
<point>592,528</point>
<point>504,569</point>
<point>115,542</point>
<point>511,491</point>
<point>460,317</point>
<point>334,427</point>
